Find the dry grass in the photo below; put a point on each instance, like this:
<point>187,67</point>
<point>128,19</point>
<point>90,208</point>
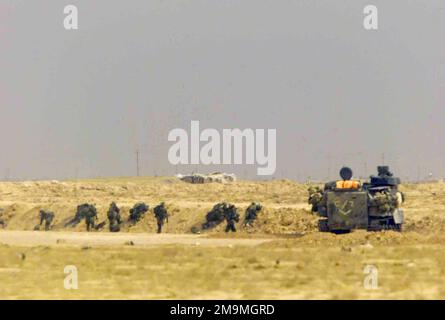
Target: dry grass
<point>300,263</point>
<point>284,269</point>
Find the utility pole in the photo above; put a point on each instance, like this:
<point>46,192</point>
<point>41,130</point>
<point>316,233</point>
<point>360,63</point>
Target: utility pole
<point>137,162</point>
<point>383,158</point>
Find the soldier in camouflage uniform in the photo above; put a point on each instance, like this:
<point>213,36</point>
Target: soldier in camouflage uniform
<point>315,198</point>
<point>232,217</point>
<point>215,216</point>
<point>47,217</point>
<point>114,218</point>
<point>161,215</point>
<point>90,217</point>
<point>77,217</point>
<point>81,213</point>
<point>252,213</point>
<point>84,211</point>
<point>137,212</point>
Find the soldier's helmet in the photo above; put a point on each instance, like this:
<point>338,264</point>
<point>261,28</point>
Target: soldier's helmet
<point>346,173</point>
<point>162,204</point>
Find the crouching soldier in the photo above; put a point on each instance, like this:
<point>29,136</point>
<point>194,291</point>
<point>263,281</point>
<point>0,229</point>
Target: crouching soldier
<point>161,215</point>
<point>137,212</point>
<point>232,217</point>
<point>47,217</point>
<point>215,216</point>
<point>252,213</point>
<point>315,198</point>
<point>114,218</point>
<point>78,216</point>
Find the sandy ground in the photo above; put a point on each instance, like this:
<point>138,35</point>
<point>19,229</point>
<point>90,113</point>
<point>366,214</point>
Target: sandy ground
<point>282,257</point>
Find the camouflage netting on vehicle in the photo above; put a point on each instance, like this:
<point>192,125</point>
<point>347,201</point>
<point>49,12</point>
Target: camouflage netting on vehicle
<point>384,201</point>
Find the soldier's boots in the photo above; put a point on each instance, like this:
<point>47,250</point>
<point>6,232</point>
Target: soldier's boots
<point>160,224</point>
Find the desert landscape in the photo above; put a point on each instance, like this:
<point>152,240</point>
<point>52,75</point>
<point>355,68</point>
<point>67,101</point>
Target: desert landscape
<point>283,256</point>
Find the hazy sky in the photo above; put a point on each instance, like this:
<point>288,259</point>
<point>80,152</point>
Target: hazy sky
<point>79,103</point>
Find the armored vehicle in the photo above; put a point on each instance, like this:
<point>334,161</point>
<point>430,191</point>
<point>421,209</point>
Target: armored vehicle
<point>373,206</point>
